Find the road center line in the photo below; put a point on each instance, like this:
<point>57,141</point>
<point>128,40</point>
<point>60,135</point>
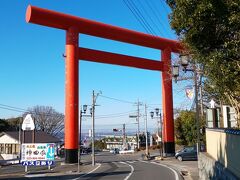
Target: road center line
<point>132,169</point>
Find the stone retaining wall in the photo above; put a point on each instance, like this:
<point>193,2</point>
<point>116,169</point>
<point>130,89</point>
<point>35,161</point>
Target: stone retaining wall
<point>209,168</point>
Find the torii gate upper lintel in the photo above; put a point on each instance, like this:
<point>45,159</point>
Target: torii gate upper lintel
<point>75,25</point>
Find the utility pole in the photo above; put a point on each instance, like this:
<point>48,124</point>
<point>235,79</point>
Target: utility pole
<point>146,136</point>
<point>80,137</point>
<point>124,137</point>
<point>94,98</point>
<point>162,137</point>
<point>197,110</point>
<point>138,115</point>
<point>19,138</point>
<point>93,128</point>
<point>201,96</point>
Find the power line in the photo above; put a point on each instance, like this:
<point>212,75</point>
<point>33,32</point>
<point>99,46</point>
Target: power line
<point>117,113</point>
<point>115,99</point>
<point>148,15</point>
<point>12,107</point>
<point>16,109</point>
<point>140,14</point>
<point>110,117</point>
<point>132,7</point>
<point>164,7</point>
<point>106,116</point>
<point>156,15</point>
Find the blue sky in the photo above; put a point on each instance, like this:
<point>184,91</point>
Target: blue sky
<point>32,66</point>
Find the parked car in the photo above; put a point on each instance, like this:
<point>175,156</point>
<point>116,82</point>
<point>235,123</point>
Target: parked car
<point>187,153</point>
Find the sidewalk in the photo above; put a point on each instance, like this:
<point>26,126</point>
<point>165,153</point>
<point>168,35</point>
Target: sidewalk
<point>188,169</point>
<point>70,170</point>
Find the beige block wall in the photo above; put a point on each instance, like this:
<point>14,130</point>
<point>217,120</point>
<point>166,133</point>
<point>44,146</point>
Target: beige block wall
<point>224,148</point>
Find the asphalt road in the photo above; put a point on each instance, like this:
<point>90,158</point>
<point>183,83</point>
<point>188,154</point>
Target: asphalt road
<point>108,167</point>
<point>129,167</point>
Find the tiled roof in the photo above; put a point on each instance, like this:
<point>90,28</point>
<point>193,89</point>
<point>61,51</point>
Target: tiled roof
<point>40,136</point>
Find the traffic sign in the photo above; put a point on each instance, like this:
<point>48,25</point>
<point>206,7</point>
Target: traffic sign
<point>50,151</point>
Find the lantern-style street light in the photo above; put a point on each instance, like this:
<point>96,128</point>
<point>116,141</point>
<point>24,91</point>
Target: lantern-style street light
<point>184,60</point>
<point>83,111</point>
<point>159,115</point>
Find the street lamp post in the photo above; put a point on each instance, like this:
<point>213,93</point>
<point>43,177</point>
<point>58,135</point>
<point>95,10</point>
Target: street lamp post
<point>137,119</point>
<point>159,115</point>
<point>146,133</point>
<point>184,62</point>
<point>82,114</point>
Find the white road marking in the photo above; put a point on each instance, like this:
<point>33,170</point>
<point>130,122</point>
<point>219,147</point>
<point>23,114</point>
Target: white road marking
<point>89,172</point>
<point>173,170</point>
<point>132,169</point>
<point>35,175</point>
<point>144,161</point>
<point>131,162</point>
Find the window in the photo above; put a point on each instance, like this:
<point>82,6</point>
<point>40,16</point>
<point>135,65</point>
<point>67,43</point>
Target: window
<point>2,149</point>
<point>15,148</point>
<point>8,148</point>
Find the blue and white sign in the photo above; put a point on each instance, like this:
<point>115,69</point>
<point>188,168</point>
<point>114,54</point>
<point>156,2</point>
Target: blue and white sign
<point>50,151</point>
<point>37,163</point>
<point>37,154</point>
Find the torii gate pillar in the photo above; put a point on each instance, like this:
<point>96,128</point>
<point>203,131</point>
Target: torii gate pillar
<point>71,95</point>
<point>167,103</point>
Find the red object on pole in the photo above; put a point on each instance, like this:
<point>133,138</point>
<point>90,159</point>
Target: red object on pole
<point>169,145</point>
<point>71,101</point>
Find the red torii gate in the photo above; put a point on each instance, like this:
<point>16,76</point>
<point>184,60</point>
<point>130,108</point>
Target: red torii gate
<point>75,25</point>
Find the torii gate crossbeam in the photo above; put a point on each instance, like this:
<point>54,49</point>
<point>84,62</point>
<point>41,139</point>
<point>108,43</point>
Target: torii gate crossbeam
<point>75,25</point>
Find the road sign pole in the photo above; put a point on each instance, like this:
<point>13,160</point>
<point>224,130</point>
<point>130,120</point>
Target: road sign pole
<point>26,169</point>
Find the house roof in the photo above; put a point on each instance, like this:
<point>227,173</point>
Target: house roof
<point>40,136</point>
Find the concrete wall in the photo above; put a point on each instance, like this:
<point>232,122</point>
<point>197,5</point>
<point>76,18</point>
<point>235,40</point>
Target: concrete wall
<point>224,147</point>
<point>209,168</point>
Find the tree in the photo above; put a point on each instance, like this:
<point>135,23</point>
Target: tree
<point>48,120</point>
<point>185,128</point>
<point>99,144</point>
<point>10,124</point>
<point>210,30</point>
<point>4,126</point>
<point>14,123</point>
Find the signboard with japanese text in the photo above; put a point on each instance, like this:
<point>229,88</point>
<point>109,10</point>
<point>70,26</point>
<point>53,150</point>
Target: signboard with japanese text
<point>38,153</point>
<point>37,163</point>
